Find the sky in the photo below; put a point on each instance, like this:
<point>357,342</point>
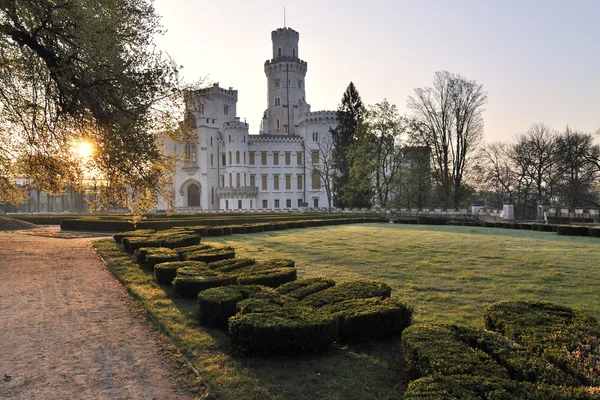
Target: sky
<point>538,60</point>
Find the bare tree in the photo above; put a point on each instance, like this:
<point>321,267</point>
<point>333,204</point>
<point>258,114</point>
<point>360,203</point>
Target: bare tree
<point>449,121</point>
<point>322,163</point>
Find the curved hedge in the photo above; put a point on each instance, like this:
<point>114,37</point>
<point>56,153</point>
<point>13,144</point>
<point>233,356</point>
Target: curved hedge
<point>190,249</point>
<point>348,291</point>
<point>132,243</point>
<point>154,257</point>
<point>271,277</point>
<point>141,253</point>
<point>304,287</point>
<point>368,319</point>
<point>218,304</point>
<point>190,283</point>
<point>180,240</point>
<point>267,333</point>
<point>164,273</point>
<point>231,264</point>
<point>118,237</point>
<point>210,255</point>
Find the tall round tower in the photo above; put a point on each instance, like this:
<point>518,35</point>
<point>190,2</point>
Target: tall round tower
<point>285,83</point>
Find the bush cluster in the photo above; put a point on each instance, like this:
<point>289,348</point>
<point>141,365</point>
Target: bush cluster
<point>529,350</point>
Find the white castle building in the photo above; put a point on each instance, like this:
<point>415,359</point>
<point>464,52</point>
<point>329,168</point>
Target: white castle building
<point>226,168</point>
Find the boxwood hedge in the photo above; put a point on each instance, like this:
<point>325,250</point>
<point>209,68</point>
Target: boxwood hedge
<point>132,243</point>
<point>160,255</point>
<point>189,283</point>
<point>304,287</point>
<point>218,304</point>
<point>118,237</point>
<point>572,230</point>
<point>232,264</point>
<point>164,273</point>
<point>348,291</point>
<point>210,255</point>
<point>271,277</point>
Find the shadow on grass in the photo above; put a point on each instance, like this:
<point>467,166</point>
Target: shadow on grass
<point>371,370</point>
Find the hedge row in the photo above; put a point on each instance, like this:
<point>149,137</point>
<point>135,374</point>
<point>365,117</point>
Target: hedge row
<point>253,223</point>
<point>539,351</point>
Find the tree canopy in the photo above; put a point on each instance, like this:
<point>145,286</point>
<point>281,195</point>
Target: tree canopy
<point>86,70</point>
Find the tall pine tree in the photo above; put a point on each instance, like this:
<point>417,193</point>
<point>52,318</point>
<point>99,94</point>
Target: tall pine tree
<point>350,115</point>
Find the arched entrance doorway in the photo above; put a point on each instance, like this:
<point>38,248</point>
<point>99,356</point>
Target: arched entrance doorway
<point>193,195</point>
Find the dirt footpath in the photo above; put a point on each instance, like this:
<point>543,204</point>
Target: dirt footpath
<point>68,329</point>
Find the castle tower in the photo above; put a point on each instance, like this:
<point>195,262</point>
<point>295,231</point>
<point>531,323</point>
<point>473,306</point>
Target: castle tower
<point>285,84</point>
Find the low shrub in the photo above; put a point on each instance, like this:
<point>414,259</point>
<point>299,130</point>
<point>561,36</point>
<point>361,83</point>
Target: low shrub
<point>433,350</point>
<point>218,304</point>
<point>280,226</point>
<point>266,333</point>
<point>160,255</point>
<point>190,249</point>
<point>422,220</point>
<point>348,291</point>
<point>525,226</point>
<point>563,337</point>
<point>190,283</point>
<point>493,388</point>
<point>210,255</point>
<point>164,273</point>
<point>368,319</point>
<point>231,264</point>
<point>594,231</point>
<point>304,287</point>
<point>118,237</point>
<point>572,230</point>
<point>132,243</point>
<point>180,240</point>
<point>236,229</point>
<point>271,277</point>
<point>140,254</point>
<point>498,224</point>
<point>545,228</point>
<point>215,231</point>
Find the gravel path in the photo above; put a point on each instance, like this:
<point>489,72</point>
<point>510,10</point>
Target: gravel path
<point>68,329</point>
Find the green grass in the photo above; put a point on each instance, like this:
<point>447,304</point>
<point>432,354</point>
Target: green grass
<point>447,273</point>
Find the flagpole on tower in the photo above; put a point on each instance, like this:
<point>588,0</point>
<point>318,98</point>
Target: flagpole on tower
<point>284,23</point>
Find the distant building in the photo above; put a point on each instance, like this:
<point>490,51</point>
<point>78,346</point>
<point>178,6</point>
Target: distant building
<point>227,168</point>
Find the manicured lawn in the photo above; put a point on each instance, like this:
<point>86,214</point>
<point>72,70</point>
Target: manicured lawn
<point>448,274</point>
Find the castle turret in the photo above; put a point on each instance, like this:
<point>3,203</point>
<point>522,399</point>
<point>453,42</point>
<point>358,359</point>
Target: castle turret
<point>285,83</point>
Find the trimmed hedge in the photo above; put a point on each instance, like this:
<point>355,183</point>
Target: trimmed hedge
<point>164,273</point>
<point>267,333</point>
<point>210,255</point>
<point>572,230</point>
<point>140,254</point>
<point>368,319</point>
<point>189,283</point>
<point>232,264</point>
<point>160,255</point>
<point>594,231</point>
<point>487,388</point>
<point>304,287</point>
<point>561,336</point>
<point>190,249</point>
<point>348,291</point>
<point>180,240</point>
<point>118,237</point>
<point>218,304</point>
<point>272,277</point>
<point>132,243</point>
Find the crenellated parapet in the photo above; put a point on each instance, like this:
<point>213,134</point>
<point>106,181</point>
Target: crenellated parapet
<point>274,139</point>
<point>282,64</point>
<point>318,117</point>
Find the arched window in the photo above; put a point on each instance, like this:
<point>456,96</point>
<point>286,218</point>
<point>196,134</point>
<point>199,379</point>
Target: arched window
<point>230,159</point>
<point>229,138</point>
<point>211,160</point>
<point>277,123</point>
<point>244,179</point>
<point>294,52</point>
<point>237,157</point>
<point>279,52</point>
<point>211,141</point>
<point>230,180</point>
<point>237,180</point>
<point>244,158</point>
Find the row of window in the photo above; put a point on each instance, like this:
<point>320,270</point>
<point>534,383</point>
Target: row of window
<point>239,180</point>
<point>191,156</point>
<point>277,83</point>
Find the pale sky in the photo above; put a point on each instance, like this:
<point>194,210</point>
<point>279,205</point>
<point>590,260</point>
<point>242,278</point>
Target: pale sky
<point>538,60</point>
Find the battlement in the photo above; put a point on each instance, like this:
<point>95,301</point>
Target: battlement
<point>317,117</point>
<point>274,139</point>
<point>284,59</point>
<point>284,32</point>
<point>216,92</point>
<point>235,125</point>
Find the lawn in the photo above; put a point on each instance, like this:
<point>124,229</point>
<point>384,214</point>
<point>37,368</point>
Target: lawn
<point>448,274</point>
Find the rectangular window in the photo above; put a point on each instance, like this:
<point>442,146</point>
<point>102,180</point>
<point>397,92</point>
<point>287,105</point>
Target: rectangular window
<point>252,181</point>
<point>315,156</point>
<point>251,158</point>
<point>299,83</point>
<point>316,180</point>
<point>265,204</point>
<point>264,182</point>
<point>275,158</point>
<point>288,203</point>
<point>276,203</point>
<point>275,182</point>
<point>263,158</point>
<point>299,180</point>
<point>288,182</point>
<point>223,159</point>
<point>288,158</point>
<point>316,204</point>
<point>227,204</point>
<point>299,158</point>
<point>300,203</point>
<point>226,109</point>
<point>239,204</point>
<point>211,160</point>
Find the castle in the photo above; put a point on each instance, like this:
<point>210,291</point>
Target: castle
<point>226,168</point>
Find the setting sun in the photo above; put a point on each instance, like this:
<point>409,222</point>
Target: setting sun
<point>83,149</point>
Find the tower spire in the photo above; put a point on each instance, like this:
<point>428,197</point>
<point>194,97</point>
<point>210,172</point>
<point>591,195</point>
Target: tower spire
<point>284,22</point>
